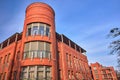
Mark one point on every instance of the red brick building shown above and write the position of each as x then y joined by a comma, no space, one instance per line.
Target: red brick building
100,72
39,53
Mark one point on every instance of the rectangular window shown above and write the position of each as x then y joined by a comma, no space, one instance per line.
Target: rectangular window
41,30
26,48
8,57
41,46
34,46
47,31
35,30
40,75
24,73
47,46
29,31
5,58
15,75
31,75
48,76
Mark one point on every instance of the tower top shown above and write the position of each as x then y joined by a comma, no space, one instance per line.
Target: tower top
40,4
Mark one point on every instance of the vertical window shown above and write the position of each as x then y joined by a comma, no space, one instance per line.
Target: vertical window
48,75
8,57
67,59
41,29
24,73
69,77
31,72
47,31
29,31
5,58
15,75
26,50
47,49
35,30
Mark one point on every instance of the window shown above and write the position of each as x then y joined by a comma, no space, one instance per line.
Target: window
69,77
4,76
31,72
47,31
5,58
41,72
38,29
24,73
35,30
8,57
15,74
37,50
40,75
29,31
41,30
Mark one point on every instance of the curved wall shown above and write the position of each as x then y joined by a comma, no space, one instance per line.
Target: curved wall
40,13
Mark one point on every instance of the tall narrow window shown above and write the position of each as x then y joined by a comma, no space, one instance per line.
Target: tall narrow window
41,29
5,58
47,54
15,75
26,50
31,73
35,30
24,73
29,31
47,31
8,57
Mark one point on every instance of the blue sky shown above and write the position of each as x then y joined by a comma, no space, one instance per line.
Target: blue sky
86,22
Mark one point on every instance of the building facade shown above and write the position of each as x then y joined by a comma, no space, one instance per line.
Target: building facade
100,72
40,53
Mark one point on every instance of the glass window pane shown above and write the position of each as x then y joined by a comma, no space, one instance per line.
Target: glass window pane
29,31
41,46
47,46
41,30
24,75
34,46
48,75
8,59
31,68
35,30
40,68
26,48
47,31
40,75
31,74
24,69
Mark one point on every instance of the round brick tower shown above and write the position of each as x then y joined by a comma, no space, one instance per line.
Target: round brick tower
38,59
